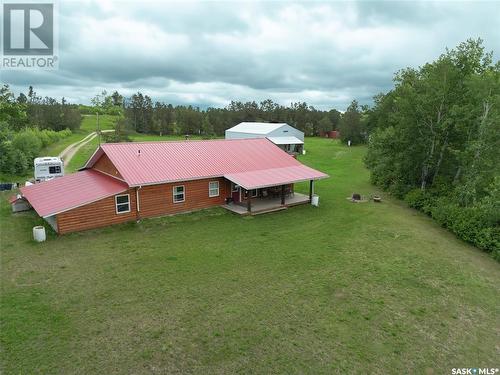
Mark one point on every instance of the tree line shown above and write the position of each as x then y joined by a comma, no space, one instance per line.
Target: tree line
29,123
435,141
144,116
40,120
42,112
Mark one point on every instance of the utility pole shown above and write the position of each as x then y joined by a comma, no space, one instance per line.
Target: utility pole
98,129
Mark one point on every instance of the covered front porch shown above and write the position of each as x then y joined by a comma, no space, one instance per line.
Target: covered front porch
265,199
263,205
267,190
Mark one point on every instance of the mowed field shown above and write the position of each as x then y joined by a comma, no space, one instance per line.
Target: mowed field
340,288
89,125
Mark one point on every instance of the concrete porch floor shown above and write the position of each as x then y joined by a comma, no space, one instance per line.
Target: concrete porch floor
263,205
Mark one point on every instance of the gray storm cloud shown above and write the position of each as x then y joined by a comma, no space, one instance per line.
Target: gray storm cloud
209,53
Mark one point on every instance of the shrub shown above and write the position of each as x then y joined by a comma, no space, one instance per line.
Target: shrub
13,161
441,212
52,136
496,255
472,224
419,199
489,239
28,142
114,110
476,224
65,133
114,137
44,138
18,154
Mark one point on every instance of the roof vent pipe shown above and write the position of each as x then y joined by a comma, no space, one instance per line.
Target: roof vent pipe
138,152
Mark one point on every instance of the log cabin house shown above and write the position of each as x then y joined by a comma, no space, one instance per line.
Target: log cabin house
130,181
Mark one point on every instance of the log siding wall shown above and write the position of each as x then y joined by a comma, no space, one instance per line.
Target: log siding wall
154,200
95,215
158,200
105,165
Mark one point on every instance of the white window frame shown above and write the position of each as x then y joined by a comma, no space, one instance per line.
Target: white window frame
234,187
55,167
255,192
183,193
210,195
121,204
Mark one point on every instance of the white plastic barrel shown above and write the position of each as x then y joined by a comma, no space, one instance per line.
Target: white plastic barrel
39,233
315,200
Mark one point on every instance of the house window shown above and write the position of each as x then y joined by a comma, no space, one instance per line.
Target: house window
179,194
55,169
213,189
253,193
234,187
122,203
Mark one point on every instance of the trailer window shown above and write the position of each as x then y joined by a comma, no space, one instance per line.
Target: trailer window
213,189
122,203
179,194
55,169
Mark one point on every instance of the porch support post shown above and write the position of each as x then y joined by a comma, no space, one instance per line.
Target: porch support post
282,195
249,201
311,189
137,205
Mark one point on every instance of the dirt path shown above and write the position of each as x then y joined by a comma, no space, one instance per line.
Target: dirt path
67,154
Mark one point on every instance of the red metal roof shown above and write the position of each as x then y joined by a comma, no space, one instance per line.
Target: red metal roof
71,191
251,163
13,198
274,177
144,163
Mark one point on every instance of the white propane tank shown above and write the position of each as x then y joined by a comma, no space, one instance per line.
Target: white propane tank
315,200
39,233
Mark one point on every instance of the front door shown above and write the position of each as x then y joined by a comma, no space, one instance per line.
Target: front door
235,192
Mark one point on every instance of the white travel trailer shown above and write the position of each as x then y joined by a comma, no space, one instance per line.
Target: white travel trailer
47,168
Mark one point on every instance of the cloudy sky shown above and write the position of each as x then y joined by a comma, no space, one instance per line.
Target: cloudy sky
208,53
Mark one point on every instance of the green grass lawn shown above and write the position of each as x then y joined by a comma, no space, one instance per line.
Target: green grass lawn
89,122
83,154
88,126
56,148
342,288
